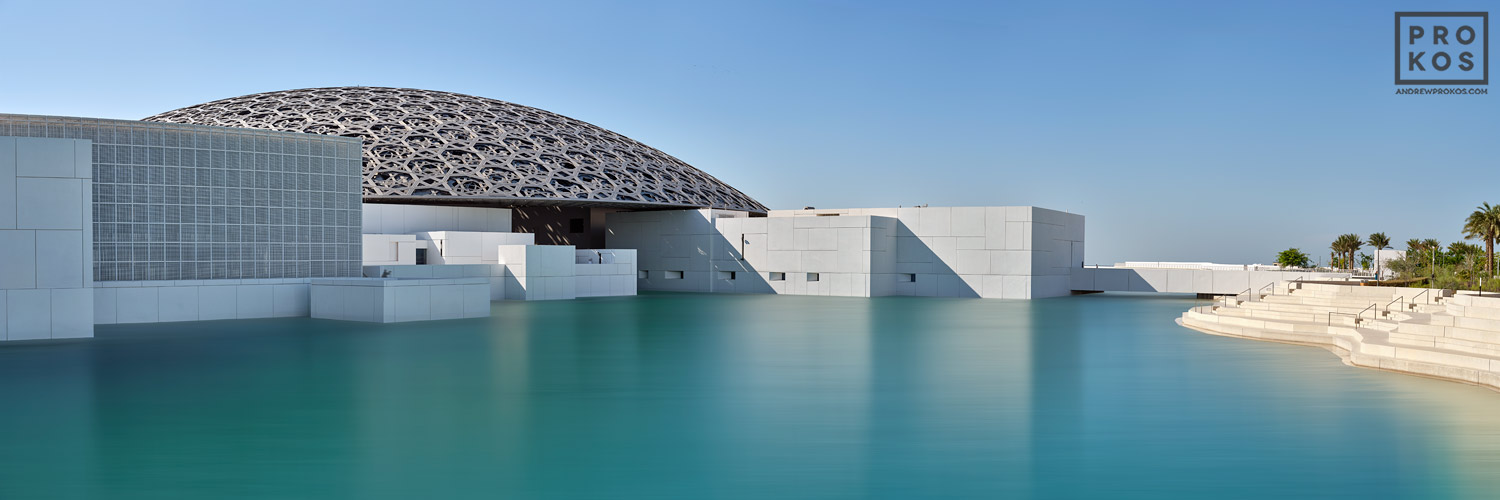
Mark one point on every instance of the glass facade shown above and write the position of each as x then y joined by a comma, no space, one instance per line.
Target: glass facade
192,202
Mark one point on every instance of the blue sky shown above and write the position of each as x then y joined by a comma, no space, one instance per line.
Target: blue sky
1181,130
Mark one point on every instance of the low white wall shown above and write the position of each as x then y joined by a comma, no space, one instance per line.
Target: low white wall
494,273
390,249
168,301
601,273
378,300
1107,279
387,218
470,247
539,272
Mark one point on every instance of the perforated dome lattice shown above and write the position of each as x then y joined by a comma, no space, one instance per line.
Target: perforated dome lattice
425,144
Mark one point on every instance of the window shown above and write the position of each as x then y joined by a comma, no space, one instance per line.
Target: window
642,274
812,276
906,278
726,275
778,276
674,275
575,225
421,256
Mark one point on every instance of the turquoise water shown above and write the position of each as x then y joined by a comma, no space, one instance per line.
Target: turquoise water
723,396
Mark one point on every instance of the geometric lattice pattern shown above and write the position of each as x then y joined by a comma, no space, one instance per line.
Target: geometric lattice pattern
184,202
423,143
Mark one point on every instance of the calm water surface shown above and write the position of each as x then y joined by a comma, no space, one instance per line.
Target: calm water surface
723,396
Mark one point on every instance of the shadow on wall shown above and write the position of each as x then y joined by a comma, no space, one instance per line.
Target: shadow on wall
582,227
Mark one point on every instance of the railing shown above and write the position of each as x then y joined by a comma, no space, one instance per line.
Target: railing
1356,315
1399,298
1424,292
1236,296
1271,285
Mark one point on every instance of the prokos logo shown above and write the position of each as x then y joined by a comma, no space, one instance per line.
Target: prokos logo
1442,48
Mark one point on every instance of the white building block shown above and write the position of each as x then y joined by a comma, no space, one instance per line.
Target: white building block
57,259
217,302
28,314
253,301
18,253
177,303
49,203
137,305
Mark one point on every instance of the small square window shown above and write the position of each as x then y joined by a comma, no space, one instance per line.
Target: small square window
778,276
906,278
726,275
812,277
642,274
674,275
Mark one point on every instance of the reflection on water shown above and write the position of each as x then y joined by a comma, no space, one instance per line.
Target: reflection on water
698,396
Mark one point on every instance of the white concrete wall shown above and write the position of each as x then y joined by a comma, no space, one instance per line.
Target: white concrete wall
1220,282
392,300
390,249
117,302
46,238
992,252
494,273
470,247
386,218
539,272
601,273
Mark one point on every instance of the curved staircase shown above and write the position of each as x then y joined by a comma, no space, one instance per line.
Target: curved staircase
1432,333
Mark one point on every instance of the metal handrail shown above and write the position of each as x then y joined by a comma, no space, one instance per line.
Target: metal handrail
1399,298
1424,292
1271,285
1356,315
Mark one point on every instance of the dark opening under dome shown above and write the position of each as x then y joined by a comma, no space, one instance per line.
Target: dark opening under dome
430,146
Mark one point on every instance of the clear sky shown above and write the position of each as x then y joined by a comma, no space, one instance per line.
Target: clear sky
1181,130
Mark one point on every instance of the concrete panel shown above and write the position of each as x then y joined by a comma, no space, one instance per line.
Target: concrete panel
968,221
1083,279
18,253
57,260
253,301
177,303
1010,262
1148,280
935,221
1018,214
217,302
28,314
137,305
1016,287
43,157
104,306
1180,281
290,301
49,203
1227,282
7,183
447,302
413,303
1112,280
973,262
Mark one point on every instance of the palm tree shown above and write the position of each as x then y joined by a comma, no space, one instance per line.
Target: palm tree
1414,246
1380,242
1346,245
1484,224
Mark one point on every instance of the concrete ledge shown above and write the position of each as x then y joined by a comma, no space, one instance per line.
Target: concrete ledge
389,300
